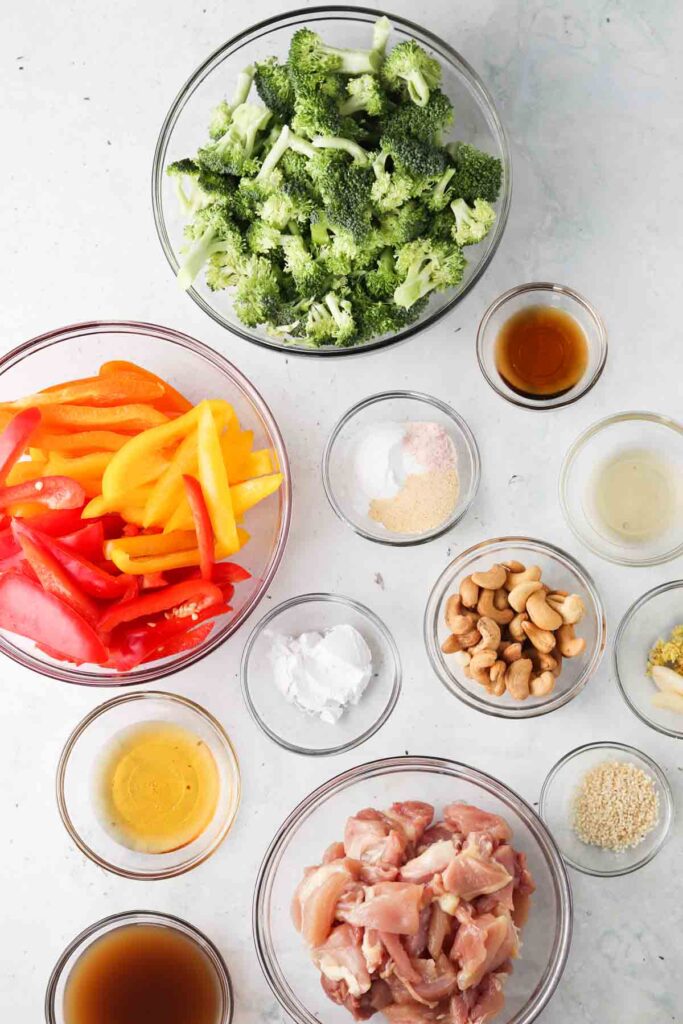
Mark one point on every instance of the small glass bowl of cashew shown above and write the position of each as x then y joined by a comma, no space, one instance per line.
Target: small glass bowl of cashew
514,627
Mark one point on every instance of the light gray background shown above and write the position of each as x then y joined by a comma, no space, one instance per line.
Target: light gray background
591,95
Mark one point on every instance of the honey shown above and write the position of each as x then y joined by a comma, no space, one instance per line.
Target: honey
541,352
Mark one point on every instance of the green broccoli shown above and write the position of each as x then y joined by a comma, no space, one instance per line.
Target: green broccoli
345,190
330,322
376,317
232,153
257,295
382,281
427,122
409,221
471,225
415,156
437,196
391,187
275,88
380,35
408,64
310,276
222,114
310,59
315,113
287,139
262,238
365,94
425,265
340,143
477,175
210,233
185,174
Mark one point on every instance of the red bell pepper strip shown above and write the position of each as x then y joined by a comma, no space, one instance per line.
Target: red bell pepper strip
202,526
130,645
93,580
26,609
187,600
54,491
14,439
153,580
58,521
223,572
88,541
55,580
185,642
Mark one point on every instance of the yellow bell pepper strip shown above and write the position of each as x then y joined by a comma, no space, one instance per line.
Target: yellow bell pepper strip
236,446
257,463
214,483
27,470
100,505
126,469
127,418
172,398
82,467
120,389
168,490
165,562
243,496
81,443
152,544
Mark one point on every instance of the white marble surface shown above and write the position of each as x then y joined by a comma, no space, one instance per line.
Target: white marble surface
591,94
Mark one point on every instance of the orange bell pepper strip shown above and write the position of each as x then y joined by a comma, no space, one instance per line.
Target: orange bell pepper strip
127,468
214,482
126,418
81,443
120,389
258,463
171,398
236,446
152,543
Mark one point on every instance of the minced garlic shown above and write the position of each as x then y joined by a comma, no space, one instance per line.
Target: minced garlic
615,806
668,653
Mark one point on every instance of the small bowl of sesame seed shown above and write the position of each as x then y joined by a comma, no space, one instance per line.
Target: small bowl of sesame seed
609,807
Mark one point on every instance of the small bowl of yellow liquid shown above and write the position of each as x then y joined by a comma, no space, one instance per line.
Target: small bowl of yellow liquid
621,488
148,785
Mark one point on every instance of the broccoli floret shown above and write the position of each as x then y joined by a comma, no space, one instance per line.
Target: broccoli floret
310,276
436,197
210,233
426,265
262,238
257,296
330,322
471,225
345,189
283,206
377,317
382,281
391,186
477,175
185,174
404,224
343,144
287,139
427,123
222,114
365,94
315,113
410,66
310,59
417,157
232,153
275,88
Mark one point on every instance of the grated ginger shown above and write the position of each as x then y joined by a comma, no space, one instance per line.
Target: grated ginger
668,653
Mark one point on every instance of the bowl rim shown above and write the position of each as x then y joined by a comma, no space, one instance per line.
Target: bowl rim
454,686
665,788
80,676
378,625
153,917
170,871
470,444
622,628
540,404
633,416
432,765
310,14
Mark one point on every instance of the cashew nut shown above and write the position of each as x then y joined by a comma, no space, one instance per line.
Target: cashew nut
514,566
569,644
462,658
528,575
491,580
451,644
520,594
453,609
460,624
556,654
487,608
542,639
490,635
517,677
470,639
500,598
479,666
541,686
540,612
513,652
469,592
571,608
542,662
515,627
497,672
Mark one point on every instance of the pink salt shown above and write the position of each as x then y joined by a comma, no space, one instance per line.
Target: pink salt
431,445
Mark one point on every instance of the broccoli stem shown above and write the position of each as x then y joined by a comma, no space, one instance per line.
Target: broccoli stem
417,284
337,142
195,259
285,140
332,304
356,62
243,87
320,234
442,185
380,35
352,106
418,90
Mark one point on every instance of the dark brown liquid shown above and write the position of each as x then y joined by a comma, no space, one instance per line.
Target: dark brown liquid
142,974
541,352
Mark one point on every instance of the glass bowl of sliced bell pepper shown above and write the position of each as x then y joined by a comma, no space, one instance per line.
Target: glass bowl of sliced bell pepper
144,505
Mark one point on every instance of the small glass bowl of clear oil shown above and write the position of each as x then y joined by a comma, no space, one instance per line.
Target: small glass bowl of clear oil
621,488
541,345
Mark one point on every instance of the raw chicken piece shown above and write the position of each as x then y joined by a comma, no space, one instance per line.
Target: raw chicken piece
373,950
315,899
465,818
434,858
474,872
409,1013
478,1005
372,837
439,830
526,883
503,899
350,897
437,980
340,958
371,874
440,926
390,907
361,1008
412,816
400,961
335,851
482,944
417,943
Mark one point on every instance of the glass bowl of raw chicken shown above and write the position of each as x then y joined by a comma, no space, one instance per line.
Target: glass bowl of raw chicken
417,889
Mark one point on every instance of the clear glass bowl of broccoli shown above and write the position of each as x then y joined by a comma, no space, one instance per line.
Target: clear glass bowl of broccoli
330,182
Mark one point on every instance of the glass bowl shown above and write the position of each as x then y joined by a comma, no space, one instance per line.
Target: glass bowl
199,372
555,807
650,618
639,431
319,819
184,129
79,802
556,296
560,571
290,726
54,996
395,407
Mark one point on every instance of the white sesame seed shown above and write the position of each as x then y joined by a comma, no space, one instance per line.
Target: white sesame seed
616,805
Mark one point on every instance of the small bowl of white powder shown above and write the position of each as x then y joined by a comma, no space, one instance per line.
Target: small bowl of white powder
401,468
320,674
